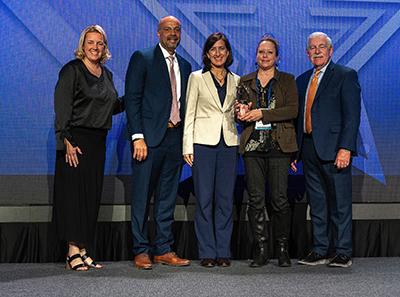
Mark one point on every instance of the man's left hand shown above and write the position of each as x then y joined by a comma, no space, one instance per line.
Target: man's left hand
342,159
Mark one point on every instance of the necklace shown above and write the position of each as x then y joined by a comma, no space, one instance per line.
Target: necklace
96,73
223,76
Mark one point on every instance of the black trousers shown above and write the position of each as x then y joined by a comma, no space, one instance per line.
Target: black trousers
258,172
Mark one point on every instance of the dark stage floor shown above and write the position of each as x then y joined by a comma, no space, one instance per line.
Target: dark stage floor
366,277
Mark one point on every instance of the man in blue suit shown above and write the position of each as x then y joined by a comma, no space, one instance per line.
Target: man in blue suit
155,89
329,117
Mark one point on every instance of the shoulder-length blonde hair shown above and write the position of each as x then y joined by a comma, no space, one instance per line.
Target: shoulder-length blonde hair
80,53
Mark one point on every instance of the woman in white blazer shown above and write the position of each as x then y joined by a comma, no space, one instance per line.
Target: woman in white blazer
210,147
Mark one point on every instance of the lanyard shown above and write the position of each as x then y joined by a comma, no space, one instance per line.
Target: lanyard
269,93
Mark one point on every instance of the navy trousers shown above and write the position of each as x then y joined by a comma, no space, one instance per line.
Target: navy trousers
329,196
214,175
159,173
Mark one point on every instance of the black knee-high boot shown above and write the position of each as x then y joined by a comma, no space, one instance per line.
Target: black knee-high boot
281,228
259,231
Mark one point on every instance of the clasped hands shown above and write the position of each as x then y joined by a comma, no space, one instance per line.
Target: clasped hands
245,114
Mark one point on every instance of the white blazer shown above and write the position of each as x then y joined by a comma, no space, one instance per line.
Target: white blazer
205,117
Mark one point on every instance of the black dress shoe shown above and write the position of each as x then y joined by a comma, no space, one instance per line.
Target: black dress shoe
207,262
223,262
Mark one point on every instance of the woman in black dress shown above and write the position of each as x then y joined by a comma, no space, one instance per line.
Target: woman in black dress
85,100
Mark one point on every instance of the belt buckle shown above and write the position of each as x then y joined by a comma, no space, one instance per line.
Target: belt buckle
171,125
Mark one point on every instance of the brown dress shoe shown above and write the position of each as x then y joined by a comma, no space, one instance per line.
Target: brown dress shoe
207,262
171,259
142,261
223,262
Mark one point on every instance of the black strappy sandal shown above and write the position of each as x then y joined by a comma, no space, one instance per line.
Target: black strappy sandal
92,265
72,258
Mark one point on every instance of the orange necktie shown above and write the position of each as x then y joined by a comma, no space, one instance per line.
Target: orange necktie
310,99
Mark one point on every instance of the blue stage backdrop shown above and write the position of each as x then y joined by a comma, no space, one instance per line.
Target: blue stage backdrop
39,37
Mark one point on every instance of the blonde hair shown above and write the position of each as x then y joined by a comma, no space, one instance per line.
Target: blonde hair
80,53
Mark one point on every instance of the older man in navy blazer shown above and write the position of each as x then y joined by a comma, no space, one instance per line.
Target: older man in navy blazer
155,89
327,140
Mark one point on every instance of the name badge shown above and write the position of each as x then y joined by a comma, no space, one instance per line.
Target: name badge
260,125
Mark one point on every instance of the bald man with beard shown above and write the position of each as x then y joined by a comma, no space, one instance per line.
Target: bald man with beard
155,89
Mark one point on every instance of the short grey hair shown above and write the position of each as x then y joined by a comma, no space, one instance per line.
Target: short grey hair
316,34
